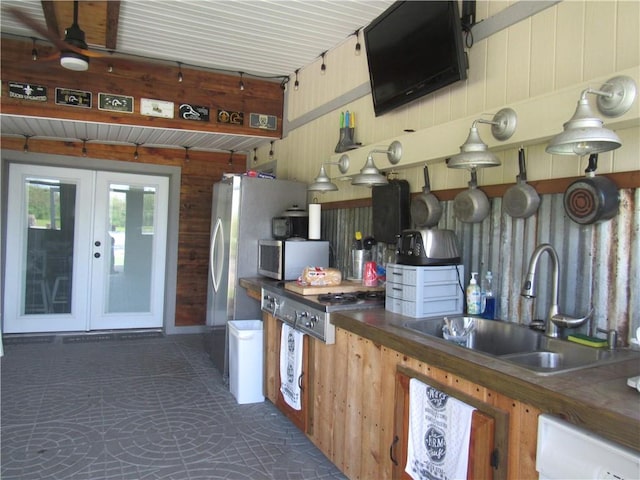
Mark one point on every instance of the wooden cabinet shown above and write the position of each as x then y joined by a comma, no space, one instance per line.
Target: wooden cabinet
355,409
272,337
489,431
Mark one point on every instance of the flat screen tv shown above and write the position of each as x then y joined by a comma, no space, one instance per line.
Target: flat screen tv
414,48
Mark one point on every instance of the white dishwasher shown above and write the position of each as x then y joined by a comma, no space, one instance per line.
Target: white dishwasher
568,452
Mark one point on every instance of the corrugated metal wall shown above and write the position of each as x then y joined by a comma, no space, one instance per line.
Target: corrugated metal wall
599,264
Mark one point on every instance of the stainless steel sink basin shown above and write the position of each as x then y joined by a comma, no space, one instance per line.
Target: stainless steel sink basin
522,346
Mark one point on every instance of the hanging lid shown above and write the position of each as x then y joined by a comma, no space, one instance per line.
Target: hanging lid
295,211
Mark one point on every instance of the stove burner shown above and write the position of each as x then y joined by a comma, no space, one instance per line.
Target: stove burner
337,298
371,295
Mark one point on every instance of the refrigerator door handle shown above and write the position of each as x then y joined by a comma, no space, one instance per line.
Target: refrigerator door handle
216,254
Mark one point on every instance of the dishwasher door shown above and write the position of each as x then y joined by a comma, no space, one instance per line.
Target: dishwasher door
568,452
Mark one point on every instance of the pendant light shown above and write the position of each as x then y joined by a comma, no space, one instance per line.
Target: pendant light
369,175
322,182
474,153
584,133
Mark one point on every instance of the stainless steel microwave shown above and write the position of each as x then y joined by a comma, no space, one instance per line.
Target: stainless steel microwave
286,259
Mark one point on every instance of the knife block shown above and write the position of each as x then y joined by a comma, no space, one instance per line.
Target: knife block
345,141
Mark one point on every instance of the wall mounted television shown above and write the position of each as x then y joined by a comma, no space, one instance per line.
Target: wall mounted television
414,48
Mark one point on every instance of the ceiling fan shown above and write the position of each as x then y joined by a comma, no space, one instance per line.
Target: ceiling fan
74,52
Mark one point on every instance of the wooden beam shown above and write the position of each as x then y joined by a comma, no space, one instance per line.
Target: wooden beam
113,18
50,17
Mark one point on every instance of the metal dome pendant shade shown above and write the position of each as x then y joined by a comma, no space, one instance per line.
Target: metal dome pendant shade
474,153
322,183
584,133
369,175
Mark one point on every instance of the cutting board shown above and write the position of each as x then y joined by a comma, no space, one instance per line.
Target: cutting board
345,287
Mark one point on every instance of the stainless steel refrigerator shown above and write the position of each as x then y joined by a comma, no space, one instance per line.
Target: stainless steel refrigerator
242,210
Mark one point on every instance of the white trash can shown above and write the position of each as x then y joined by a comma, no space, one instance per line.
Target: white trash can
245,360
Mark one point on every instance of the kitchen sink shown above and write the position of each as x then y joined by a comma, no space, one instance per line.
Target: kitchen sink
522,346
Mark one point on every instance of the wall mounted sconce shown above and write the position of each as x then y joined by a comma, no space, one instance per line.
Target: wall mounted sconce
584,133
474,153
369,175
322,182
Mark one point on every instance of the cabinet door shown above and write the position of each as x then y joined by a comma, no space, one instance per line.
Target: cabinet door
482,451
300,418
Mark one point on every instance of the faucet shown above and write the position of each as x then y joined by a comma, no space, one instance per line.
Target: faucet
554,318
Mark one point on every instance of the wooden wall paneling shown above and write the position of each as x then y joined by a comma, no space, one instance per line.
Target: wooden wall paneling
197,178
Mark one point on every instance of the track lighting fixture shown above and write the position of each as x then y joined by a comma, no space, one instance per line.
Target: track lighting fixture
186,153
34,50
25,147
369,175
230,157
322,183
255,155
84,147
323,67
584,133
136,155
474,153
180,76
296,84
358,46
241,83
271,151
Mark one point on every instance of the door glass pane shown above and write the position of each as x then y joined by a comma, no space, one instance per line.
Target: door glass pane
48,266
131,234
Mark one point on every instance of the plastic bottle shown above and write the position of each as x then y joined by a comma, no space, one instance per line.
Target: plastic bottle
488,296
474,296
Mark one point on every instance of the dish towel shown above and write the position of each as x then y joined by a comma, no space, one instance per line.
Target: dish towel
291,365
439,434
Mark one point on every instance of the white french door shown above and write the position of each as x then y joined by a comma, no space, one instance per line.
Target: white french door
85,250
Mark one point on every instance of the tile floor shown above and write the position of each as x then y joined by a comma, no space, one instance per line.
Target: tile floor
139,408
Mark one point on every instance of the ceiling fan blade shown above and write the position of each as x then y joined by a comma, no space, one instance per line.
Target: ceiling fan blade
51,36
36,27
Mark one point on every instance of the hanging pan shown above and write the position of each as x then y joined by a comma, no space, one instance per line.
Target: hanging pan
425,208
471,205
591,199
521,200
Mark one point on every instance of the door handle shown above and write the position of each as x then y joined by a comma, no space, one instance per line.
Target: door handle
216,254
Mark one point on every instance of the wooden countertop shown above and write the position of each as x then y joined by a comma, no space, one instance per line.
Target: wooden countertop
596,398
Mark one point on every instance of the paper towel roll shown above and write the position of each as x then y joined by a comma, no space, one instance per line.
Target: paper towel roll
314,221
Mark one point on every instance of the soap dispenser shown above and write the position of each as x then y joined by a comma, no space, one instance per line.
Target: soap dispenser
474,297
